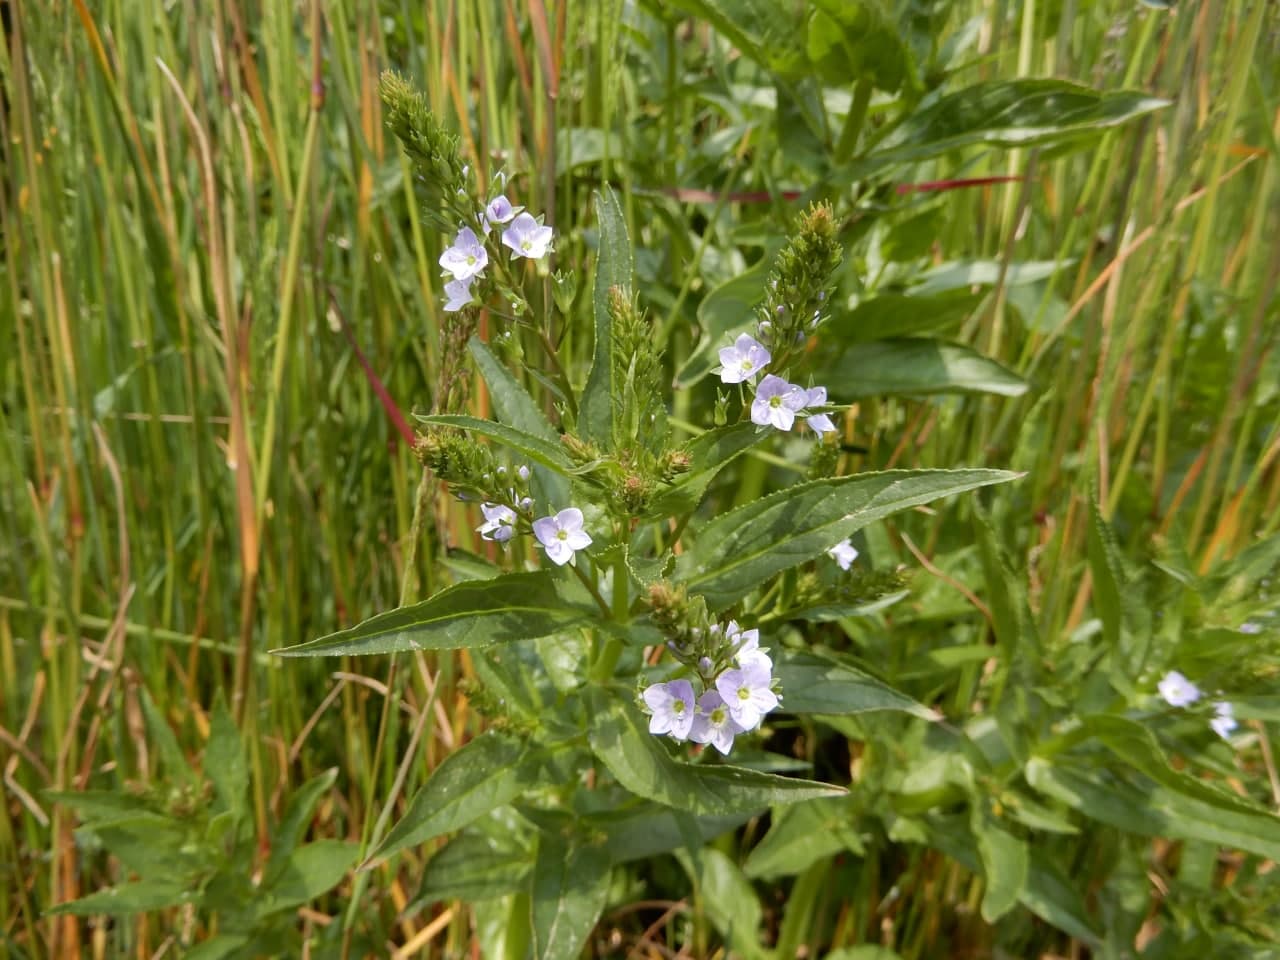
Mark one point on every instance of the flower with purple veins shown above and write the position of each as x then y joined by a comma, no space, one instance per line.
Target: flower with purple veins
747,694
673,708
459,294
562,534
499,210
527,238
776,403
499,522
466,258
1224,719
1177,690
713,724
743,360
843,553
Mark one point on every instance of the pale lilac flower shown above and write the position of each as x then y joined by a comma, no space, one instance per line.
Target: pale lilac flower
776,403
466,258
1224,719
673,708
1251,627
562,534
1177,690
459,294
712,724
527,238
747,646
747,695
522,472
743,360
499,522
843,553
820,422
499,210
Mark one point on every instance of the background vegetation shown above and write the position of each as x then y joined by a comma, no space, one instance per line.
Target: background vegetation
220,300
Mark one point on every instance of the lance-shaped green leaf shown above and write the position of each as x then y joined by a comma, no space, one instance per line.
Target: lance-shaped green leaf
1005,861
308,872
804,833
138,897
619,737
569,890
474,867
812,683
901,315
488,772
739,550
613,269
474,613
916,365
546,452
1010,113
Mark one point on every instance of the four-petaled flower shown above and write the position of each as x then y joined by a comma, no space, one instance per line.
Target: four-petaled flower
499,522
527,238
777,402
466,258
820,422
746,693
843,553
743,360
459,294
1177,690
673,708
562,534
713,724
1224,719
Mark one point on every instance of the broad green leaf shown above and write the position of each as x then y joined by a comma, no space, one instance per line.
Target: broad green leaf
152,844
569,890
725,312
138,897
473,867
728,898
709,453
474,613
916,365
1005,862
613,269
961,275
648,829
901,315
851,40
739,550
1011,113
295,820
804,833
100,806
308,872
549,453
487,773
620,738
814,683
224,762
1134,803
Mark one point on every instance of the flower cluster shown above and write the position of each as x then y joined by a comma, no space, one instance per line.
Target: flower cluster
777,403
1177,691
467,258
737,690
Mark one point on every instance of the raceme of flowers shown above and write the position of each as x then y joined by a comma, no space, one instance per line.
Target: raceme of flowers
521,234
734,698
1177,691
777,403
561,534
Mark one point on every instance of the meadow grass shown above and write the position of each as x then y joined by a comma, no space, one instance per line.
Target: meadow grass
211,257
